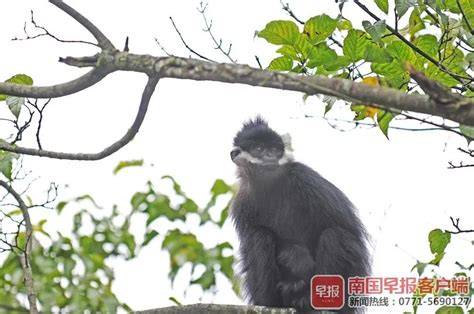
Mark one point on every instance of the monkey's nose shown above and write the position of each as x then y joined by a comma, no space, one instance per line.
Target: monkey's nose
235,152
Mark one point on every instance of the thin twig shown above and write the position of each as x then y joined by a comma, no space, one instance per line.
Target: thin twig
40,119
456,226
441,126
186,44
49,34
162,48
129,135
102,40
286,7
258,62
202,10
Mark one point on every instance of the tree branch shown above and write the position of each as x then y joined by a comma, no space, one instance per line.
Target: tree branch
184,68
102,40
456,108
25,257
59,90
129,135
458,229
218,308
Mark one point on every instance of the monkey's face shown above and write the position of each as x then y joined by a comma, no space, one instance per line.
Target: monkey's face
258,147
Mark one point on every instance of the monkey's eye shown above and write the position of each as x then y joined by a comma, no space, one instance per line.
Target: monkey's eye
259,149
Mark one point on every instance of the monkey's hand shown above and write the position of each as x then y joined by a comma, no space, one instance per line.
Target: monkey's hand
297,259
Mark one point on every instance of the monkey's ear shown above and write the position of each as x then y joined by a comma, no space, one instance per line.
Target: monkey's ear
286,138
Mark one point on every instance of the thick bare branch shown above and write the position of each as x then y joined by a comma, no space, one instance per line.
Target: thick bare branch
25,260
59,90
146,95
183,68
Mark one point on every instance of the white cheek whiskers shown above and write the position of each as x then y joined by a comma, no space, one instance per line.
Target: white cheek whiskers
253,160
286,158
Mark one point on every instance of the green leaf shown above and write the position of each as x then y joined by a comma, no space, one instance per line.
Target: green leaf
402,6
176,187
439,240
282,63
437,259
355,44
344,25
401,51
87,197
6,163
280,32
434,72
429,44
383,121
223,217
415,23
340,63
376,30
394,72
321,55
207,280
319,28
420,267
448,309
363,111
220,187
22,79
128,163
468,131
161,207
374,53
289,51
383,5
15,103
183,248
61,206
302,46
189,206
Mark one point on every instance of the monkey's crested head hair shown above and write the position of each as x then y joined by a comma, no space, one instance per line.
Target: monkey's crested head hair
257,144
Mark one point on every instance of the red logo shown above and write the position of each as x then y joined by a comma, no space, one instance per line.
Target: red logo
327,292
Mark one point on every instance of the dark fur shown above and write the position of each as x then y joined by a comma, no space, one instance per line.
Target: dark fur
292,224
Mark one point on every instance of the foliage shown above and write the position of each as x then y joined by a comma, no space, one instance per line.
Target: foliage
183,246
72,273
15,103
439,241
331,46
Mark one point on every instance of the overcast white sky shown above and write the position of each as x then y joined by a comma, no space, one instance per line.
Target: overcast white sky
401,186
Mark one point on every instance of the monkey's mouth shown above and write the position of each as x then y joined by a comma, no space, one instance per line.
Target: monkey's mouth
243,158
234,153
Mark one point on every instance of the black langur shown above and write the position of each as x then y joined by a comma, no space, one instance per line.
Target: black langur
292,223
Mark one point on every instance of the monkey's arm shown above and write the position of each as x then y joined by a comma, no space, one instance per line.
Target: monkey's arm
296,258
262,273
340,252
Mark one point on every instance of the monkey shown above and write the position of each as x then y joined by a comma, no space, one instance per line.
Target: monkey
291,223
